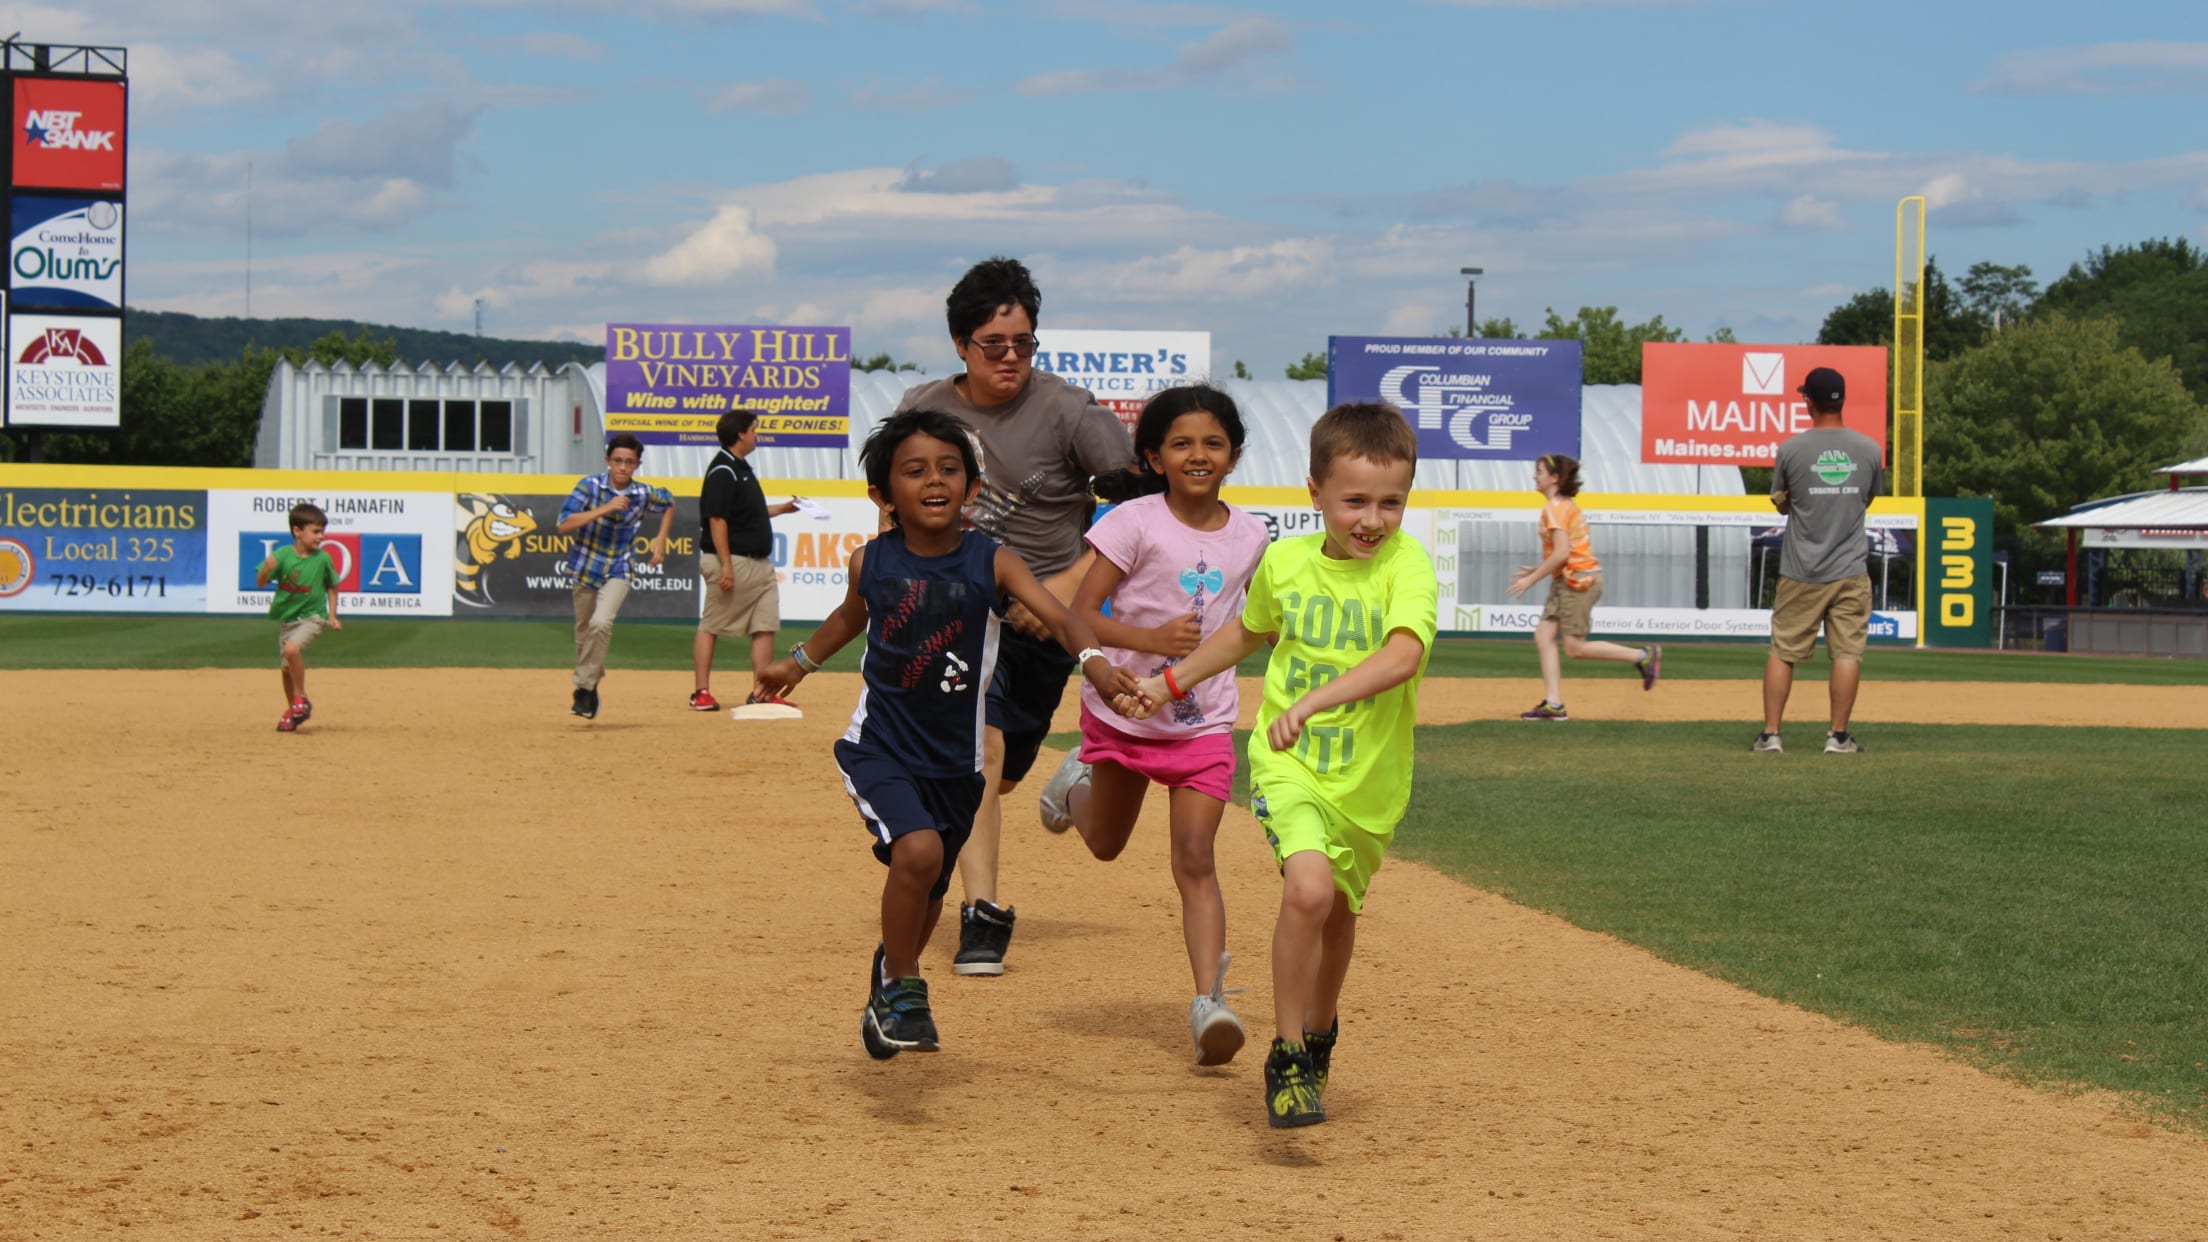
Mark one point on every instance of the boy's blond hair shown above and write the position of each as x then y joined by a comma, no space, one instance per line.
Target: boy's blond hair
1368,429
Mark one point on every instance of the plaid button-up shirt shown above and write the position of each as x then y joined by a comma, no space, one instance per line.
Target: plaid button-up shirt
603,546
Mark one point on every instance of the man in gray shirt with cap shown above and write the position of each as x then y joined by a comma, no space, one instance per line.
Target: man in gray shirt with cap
1823,482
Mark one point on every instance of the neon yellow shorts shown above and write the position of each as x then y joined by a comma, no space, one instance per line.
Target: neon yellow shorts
1296,819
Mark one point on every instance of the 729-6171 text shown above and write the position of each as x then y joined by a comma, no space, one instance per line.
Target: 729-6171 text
114,586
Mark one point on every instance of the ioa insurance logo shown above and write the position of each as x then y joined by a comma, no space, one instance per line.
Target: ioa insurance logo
368,562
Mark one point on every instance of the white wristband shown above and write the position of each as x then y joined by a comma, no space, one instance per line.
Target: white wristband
1086,652
804,661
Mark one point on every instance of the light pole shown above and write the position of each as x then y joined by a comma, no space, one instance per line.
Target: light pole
1471,285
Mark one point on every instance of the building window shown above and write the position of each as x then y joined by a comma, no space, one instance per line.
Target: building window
388,430
352,422
421,426
498,427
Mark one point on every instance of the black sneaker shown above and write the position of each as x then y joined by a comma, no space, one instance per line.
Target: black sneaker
581,706
1320,1044
876,1046
897,1018
1291,1089
590,705
984,932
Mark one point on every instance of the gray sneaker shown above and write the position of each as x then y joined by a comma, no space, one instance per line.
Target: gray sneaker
1842,744
1767,743
1057,799
1214,1026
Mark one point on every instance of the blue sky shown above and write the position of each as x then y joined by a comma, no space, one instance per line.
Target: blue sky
1269,173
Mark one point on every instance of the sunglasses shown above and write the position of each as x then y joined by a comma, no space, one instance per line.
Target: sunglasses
995,347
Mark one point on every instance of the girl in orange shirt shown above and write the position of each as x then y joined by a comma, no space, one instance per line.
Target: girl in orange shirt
1575,584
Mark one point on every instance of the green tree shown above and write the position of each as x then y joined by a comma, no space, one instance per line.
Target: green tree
2052,412
172,415
1503,329
2158,289
334,347
1950,325
1241,371
1723,336
882,362
1610,348
1312,367
1999,295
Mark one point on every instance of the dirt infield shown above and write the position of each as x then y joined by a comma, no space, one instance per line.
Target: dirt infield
452,964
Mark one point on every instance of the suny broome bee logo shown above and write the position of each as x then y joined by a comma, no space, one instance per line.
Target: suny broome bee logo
486,527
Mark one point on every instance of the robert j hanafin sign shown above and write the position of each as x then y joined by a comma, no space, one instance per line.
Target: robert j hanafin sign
669,383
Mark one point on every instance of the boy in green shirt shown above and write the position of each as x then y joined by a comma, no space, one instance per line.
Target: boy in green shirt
1352,613
305,582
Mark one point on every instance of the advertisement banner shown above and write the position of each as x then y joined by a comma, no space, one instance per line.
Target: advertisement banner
508,559
1520,617
393,549
71,134
65,371
82,549
1470,399
1124,369
669,383
67,252
1958,576
1733,405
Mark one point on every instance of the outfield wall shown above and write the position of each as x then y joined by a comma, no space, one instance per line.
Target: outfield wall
424,544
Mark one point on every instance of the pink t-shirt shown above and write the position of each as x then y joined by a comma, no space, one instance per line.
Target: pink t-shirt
1171,571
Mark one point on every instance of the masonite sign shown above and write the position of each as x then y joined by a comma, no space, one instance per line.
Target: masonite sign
1477,400
100,549
1958,577
1123,370
670,383
69,133
1733,405
392,549
67,252
509,559
65,371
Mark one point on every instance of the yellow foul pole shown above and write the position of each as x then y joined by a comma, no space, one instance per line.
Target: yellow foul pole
1906,447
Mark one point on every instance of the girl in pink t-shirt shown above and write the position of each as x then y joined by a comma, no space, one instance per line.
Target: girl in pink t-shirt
1174,562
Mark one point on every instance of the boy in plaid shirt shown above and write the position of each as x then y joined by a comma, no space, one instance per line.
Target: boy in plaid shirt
604,513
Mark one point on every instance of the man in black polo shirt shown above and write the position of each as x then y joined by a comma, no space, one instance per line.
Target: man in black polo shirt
735,550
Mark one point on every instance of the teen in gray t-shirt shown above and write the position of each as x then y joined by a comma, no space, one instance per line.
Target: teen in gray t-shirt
1829,475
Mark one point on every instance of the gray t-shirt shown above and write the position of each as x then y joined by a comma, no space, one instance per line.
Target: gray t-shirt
1829,475
1038,453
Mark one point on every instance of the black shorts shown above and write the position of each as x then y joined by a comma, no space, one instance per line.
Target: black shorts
894,802
1024,694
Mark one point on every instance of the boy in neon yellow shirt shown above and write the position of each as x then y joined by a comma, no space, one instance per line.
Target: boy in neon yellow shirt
1352,613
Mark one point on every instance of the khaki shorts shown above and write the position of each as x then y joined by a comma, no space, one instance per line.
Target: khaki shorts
1843,607
1573,611
752,606
298,633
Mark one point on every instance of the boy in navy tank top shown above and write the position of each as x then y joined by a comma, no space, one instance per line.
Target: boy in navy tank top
925,593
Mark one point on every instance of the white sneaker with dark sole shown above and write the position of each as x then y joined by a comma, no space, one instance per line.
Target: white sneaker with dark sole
1214,1026
1842,744
1767,744
1056,804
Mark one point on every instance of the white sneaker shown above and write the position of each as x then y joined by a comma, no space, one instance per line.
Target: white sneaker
1056,803
1213,1025
1767,744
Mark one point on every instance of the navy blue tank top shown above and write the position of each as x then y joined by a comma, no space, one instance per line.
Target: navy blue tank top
931,645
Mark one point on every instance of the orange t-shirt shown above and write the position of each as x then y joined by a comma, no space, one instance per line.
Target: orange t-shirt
1580,567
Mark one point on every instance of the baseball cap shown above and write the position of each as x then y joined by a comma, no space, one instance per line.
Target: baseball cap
1824,386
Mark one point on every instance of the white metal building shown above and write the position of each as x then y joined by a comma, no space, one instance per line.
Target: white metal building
450,418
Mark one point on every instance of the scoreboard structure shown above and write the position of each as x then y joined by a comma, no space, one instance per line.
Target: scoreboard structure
66,167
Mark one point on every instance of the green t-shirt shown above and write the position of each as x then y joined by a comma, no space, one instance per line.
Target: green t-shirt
302,584
1331,614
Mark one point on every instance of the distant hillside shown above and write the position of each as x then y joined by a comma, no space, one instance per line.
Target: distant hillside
190,339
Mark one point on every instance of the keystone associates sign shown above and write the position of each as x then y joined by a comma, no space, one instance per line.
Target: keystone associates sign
1733,405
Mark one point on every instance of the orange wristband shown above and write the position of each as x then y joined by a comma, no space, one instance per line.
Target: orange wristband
1173,687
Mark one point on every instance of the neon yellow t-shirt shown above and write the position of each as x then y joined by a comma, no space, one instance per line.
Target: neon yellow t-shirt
1331,614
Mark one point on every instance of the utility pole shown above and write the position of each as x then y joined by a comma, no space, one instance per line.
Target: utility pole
1471,312
479,319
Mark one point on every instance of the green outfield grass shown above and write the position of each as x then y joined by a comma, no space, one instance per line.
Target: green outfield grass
82,641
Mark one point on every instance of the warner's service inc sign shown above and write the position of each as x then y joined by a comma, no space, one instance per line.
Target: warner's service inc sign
1470,399
1733,405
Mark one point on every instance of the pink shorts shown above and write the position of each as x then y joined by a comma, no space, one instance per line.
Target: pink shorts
1204,763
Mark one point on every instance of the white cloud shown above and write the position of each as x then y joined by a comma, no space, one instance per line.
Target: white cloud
2101,69
1828,292
1221,57
726,246
911,10
780,96
561,45
1191,273
978,175
1810,212
1415,320
925,94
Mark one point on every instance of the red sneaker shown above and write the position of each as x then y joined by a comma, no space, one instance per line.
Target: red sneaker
703,701
287,723
301,709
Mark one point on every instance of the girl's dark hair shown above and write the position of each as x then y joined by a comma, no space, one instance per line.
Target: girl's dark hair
1157,420
880,450
988,287
1565,470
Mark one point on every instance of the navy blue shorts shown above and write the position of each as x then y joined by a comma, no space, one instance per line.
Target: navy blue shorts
1024,693
894,802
